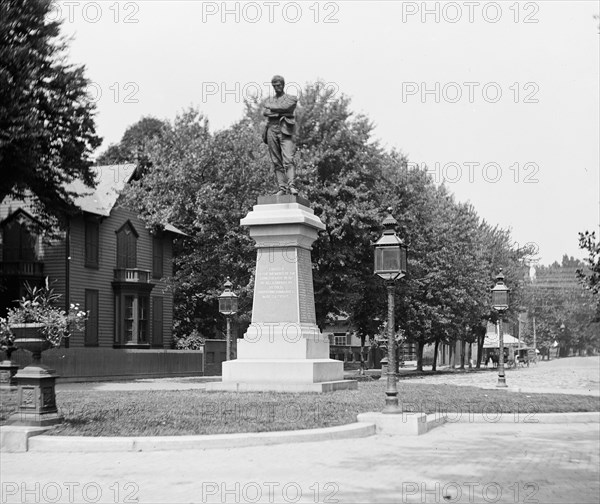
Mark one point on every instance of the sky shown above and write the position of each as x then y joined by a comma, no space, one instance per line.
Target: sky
498,100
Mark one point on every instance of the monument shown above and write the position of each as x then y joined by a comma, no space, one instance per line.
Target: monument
283,349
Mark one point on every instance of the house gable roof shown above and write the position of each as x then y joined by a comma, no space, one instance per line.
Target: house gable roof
111,179
20,216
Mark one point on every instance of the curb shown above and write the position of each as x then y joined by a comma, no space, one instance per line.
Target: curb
528,390
85,444
417,424
518,417
22,439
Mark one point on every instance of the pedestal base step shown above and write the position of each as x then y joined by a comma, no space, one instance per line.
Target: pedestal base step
319,387
35,419
282,371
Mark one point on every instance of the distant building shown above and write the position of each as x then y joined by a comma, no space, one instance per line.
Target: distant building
345,343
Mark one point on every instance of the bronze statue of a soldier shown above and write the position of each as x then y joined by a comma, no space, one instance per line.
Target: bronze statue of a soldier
279,135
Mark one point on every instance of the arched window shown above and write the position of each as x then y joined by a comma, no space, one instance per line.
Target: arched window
19,243
127,246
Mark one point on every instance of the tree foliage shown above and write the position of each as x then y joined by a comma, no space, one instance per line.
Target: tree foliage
589,275
561,309
135,143
47,130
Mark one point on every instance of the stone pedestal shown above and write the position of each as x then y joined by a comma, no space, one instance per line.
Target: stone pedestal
283,349
36,397
8,370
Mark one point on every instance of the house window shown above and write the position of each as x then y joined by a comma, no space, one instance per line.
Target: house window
92,241
127,246
142,321
157,321
339,339
91,324
18,242
132,327
157,257
129,318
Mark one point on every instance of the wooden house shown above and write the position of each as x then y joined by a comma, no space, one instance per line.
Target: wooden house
108,262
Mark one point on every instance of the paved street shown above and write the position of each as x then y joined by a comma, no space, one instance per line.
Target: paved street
573,375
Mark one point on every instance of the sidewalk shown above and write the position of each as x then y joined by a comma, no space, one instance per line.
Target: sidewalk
504,463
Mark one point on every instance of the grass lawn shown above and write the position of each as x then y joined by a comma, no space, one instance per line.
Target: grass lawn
185,412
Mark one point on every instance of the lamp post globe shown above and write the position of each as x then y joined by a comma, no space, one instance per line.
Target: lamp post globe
390,264
228,306
500,300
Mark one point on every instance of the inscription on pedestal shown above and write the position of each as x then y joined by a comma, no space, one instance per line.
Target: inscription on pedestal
277,284
276,289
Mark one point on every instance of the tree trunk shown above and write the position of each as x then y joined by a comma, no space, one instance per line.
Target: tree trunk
451,354
470,355
480,341
362,356
463,344
435,353
420,356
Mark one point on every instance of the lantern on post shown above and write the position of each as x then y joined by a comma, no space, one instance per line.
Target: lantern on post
390,252
500,298
228,306
390,264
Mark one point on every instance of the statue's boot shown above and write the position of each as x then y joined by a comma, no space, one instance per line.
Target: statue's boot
291,176
281,182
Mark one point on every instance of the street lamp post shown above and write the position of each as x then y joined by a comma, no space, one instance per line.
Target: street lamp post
390,264
228,306
500,304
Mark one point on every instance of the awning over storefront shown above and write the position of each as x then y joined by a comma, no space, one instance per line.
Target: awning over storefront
491,341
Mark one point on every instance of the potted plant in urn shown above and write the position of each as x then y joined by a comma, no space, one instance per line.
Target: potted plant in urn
38,324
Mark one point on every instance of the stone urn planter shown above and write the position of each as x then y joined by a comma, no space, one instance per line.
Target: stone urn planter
38,323
30,337
36,382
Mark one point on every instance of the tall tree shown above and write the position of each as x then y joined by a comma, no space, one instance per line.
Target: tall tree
135,143
47,130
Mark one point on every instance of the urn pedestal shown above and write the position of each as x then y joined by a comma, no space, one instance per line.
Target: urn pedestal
283,349
8,370
36,395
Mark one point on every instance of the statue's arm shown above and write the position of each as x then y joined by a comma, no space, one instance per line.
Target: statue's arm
286,106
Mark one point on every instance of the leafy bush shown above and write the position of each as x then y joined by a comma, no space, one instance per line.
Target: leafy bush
193,341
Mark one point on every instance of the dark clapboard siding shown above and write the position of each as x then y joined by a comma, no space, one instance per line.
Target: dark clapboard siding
82,277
